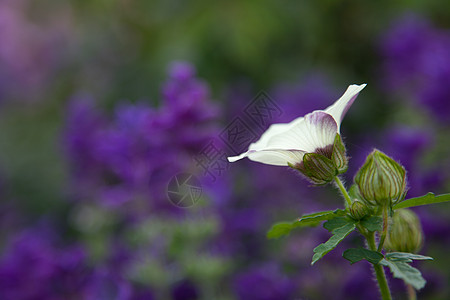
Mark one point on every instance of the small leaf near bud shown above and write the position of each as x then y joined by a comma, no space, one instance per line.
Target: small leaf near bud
381,180
338,156
358,210
406,233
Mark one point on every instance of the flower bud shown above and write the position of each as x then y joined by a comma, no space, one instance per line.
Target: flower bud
358,210
323,165
381,180
406,233
317,168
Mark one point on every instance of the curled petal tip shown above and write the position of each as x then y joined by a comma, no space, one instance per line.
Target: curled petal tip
236,158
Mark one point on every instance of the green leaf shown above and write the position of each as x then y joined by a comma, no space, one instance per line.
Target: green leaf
429,198
372,223
337,222
284,228
279,230
339,233
408,257
401,269
356,254
316,218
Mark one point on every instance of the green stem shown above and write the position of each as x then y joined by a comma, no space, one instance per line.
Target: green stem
379,271
343,191
411,292
385,229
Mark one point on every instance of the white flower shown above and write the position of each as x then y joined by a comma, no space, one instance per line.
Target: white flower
286,144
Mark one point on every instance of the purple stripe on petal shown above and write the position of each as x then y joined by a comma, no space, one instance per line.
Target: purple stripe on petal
326,151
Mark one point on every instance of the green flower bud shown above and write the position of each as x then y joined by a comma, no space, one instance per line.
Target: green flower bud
358,210
317,168
381,180
323,165
406,233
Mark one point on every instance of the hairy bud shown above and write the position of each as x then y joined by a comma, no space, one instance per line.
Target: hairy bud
381,180
358,210
317,168
406,233
323,165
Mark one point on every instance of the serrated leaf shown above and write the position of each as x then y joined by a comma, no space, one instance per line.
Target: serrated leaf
316,218
429,198
339,233
356,254
406,256
337,222
372,223
284,228
402,270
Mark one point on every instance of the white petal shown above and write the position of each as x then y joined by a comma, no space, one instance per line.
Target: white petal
342,105
272,157
273,130
316,130
284,143
277,157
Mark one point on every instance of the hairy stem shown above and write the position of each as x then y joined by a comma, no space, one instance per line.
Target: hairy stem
385,228
379,271
343,190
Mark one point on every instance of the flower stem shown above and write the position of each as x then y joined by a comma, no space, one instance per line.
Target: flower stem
385,228
379,271
411,292
343,190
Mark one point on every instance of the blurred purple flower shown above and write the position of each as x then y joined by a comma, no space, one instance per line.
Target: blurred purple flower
33,268
106,284
130,158
265,282
416,61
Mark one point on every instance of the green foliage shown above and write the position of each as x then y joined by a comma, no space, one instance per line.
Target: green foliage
429,198
408,257
340,228
398,263
337,223
372,223
402,270
356,254
311,220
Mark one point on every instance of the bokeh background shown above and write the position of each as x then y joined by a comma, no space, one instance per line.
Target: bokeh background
102,103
